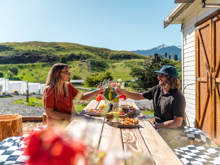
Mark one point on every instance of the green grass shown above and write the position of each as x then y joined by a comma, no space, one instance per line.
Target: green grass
148,112
33,101
37,101
79,107
38,72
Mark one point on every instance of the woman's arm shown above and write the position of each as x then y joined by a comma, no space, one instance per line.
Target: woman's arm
57,115
175,123
88,95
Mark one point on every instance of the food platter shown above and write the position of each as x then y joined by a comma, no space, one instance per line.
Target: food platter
111,115
124,123
95,112
127,111
119,125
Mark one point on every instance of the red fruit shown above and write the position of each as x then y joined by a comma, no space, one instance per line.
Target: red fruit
123,97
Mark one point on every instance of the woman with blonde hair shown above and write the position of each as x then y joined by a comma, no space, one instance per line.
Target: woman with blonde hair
59,93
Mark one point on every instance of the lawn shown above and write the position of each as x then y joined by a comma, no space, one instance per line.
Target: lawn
37,101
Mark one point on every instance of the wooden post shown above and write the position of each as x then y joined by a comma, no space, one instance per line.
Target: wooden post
10,125
27,92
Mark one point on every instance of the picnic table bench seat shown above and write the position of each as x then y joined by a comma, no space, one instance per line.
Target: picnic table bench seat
197,135
199,155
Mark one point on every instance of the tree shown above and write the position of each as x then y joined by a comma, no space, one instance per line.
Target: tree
1,74
175,57
98,66
156,58
14,70
165,54
63,60
146,77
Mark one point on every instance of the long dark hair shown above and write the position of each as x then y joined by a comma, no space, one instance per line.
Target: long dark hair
54,78
172,83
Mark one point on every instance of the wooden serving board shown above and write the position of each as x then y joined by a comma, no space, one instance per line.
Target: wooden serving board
95,114
120,125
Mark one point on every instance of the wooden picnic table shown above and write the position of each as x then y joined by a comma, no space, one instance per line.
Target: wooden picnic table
144,139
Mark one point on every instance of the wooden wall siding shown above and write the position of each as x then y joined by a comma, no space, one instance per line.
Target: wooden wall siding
188,46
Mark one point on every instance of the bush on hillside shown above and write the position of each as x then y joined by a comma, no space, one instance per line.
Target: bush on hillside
123,55
14,70
76,77
96,78
99,66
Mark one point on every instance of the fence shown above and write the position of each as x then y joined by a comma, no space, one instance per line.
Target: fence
8,86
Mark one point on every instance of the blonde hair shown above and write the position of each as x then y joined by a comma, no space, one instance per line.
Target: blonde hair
54,78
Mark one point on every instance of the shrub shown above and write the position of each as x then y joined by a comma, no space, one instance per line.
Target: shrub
96,78
14,70
99,65
76,77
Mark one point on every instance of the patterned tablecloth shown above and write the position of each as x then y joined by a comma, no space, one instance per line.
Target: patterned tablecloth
199,155
11,151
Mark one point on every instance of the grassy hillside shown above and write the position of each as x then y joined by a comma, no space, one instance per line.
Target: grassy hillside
31,52
32,60
38,72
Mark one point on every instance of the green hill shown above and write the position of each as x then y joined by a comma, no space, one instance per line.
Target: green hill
32,52
31,61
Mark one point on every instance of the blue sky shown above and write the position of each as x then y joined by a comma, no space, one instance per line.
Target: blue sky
113,24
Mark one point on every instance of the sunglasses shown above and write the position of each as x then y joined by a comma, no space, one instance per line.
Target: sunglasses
163,75
65,72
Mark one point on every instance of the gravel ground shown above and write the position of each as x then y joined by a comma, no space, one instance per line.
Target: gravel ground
7,106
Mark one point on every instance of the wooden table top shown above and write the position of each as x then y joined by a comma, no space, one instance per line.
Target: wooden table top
144,139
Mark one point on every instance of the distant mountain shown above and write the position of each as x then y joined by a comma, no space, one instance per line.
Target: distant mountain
161,50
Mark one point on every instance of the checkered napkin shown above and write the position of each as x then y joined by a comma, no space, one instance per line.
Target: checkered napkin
199,155
11,151
197,135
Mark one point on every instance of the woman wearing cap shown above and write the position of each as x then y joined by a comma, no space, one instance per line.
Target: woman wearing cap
59,93
168,101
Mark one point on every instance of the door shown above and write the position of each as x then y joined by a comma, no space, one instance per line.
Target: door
216,76
207,37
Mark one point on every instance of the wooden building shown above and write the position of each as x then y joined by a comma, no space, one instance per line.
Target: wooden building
200,27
